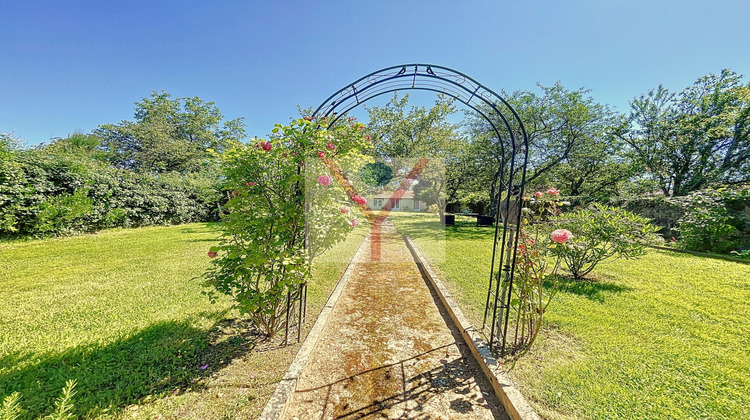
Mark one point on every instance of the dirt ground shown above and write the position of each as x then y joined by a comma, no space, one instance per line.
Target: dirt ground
388,352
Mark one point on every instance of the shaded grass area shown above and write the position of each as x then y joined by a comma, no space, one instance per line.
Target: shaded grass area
121,312
665,336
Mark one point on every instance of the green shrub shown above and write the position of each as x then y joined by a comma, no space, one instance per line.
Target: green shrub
601,232
45,192
716,220
63,213
10,409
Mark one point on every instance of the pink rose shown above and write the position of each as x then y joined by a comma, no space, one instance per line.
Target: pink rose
538,194
351,119
212,254
324,180
344,209
359,199
308,118
330,146
321,154
561,236
266,145
673,239
250,184
353,222
553,191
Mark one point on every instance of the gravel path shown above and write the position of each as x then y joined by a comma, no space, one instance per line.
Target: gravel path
388,352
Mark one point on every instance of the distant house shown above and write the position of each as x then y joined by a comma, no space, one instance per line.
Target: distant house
407,202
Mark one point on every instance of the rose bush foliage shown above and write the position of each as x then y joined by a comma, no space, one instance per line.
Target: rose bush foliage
601,232
536,266
285,209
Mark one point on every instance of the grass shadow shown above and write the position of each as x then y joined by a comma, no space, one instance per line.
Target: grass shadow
595,290
163,358
431,229
205,227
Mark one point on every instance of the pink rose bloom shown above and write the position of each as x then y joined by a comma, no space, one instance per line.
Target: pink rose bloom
308,118
324,180
330,146
344,209
561,236
553,191
351,119
353,222
212,254
359,199
538,194
321,154
266,145
250,184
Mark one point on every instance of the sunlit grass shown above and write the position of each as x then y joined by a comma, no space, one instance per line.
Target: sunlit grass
666,336
122,313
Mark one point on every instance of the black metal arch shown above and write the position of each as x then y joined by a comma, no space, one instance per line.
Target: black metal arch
512,172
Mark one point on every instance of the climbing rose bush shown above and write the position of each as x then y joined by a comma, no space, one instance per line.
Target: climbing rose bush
274,209
535,267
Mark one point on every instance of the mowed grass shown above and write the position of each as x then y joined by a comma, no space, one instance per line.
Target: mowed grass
663,337
121,312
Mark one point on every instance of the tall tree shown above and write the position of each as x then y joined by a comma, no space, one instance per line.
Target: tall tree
698,137
569,145
399,130
169,134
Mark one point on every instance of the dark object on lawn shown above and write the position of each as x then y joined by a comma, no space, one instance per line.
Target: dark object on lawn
449,219
482,219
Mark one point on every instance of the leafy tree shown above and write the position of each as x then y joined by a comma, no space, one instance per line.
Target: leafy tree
400,131
569,143
169,135
79,144
413,132
693,139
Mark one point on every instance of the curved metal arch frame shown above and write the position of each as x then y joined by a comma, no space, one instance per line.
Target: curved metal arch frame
483,101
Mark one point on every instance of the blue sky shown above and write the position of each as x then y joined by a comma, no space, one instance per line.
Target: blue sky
67,66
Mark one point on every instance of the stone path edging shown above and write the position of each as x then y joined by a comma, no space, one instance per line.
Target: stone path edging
276,405
514,402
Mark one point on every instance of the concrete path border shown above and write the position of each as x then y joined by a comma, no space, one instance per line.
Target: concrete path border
276,405
514,402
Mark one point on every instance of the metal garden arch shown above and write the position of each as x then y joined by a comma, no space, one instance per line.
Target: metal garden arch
512,138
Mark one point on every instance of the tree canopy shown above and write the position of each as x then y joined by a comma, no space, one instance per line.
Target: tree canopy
698,137
169,135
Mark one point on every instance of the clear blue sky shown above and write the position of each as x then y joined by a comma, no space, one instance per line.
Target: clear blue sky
67,66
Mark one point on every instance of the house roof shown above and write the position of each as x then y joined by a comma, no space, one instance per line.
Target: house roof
387,195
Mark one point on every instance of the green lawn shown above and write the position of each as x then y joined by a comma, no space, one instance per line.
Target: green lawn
666,336
122,314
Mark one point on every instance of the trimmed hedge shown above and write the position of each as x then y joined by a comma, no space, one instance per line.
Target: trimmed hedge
43,194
